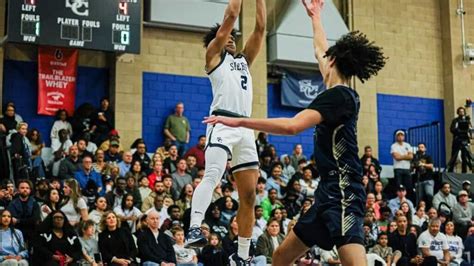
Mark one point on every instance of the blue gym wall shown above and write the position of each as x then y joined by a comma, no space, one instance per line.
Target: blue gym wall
285,144
161,92
402,112
20,85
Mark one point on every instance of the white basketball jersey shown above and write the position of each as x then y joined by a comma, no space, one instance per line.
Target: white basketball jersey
232,85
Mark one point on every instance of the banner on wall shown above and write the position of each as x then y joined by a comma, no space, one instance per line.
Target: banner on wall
299,89
57,72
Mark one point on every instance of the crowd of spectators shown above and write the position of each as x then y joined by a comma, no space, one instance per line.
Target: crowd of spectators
100,202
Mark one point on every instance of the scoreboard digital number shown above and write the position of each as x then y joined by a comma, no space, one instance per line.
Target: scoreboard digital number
106,25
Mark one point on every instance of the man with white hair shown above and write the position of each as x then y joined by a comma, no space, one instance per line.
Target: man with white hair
126,163
434,244
155,248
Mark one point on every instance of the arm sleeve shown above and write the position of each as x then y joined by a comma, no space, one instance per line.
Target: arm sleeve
332,105
167,123
147,253
423,242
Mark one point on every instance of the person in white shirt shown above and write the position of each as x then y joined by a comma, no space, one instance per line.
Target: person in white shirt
402,154
455,244
434,244
60,123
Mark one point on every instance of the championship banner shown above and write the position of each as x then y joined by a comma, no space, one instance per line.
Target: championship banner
57,72
299,89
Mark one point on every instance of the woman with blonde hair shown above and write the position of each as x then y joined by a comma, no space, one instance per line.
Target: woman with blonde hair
74,206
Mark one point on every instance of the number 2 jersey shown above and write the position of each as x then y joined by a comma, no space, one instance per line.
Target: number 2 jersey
232,85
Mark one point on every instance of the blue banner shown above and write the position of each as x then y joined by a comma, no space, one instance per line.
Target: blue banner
300,89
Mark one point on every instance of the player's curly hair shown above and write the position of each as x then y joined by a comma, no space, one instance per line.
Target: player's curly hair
356,56
211,35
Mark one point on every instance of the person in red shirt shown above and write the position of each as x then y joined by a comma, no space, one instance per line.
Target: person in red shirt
156,175
198,152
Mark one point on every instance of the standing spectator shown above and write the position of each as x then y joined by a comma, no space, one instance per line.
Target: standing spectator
270,240
141,156
434,245
405,242
402,155
456,246
70,165
297,156
36,147
25,210
460,128
423,164
462,213
56,243
115,242
444,196
394,204
155,247
12,246
170,163
261,142
126,163
374,161
20,152
180,177
288,169
103,122
73,205
198,152
88,178
9,120
177,128
82,120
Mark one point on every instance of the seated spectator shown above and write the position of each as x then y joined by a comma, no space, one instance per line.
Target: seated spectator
180,177
51,203
213,219
159,207
56,243
12,246
128,213
87,177
96,214
60,148
384,251
70,165
141,156
198,151
132,188
369,236
89,243
466,185
288,169
136,171
60,123
259,219
462,213
114,197
371,203
434,244
99,165
394,204
170,163
407,211
157,174
456,246
374,161
261,191
168,184
82,144
174,213
277,181
420,217
143,187
113,136
403,241
191,168
185,198
24,210
159,190
116,243
297,156
380,196
163,151
270,203
36,146
212,253
469,242
125,164
112,155
293,201
8,189
444,196
155,247
196,181
73,205
20,153
308,183
270,240
373,177
228,207
184,256
330,257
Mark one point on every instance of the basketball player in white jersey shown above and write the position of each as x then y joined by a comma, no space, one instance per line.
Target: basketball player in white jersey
231,82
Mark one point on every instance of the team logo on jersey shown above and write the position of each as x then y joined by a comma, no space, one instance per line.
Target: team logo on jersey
310,91
219,139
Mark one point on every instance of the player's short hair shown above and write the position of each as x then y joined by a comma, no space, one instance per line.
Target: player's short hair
356,56
211,34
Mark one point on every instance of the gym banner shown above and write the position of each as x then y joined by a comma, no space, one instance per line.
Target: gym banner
57,72
299,89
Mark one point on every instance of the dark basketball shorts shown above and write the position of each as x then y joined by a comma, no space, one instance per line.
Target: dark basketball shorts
336,216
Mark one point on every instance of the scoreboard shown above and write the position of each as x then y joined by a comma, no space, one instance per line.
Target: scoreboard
106,25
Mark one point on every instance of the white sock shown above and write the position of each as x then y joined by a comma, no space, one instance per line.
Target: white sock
216,160
244,247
